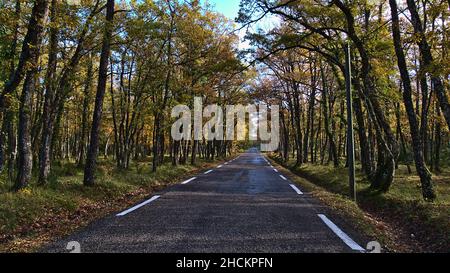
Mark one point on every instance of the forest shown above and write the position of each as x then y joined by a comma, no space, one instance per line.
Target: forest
134,65
399,71
89,85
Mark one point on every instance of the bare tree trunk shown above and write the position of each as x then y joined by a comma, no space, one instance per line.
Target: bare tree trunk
285,138
25,156
85,114
30,53
117,142
424,114
422,170
44,153
437,142
297,126
401,135
363,142
194,152
310,118
12,142
325,102
91,161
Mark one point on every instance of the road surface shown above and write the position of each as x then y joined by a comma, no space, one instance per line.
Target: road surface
244,205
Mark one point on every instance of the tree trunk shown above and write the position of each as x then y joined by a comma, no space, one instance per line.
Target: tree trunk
401,137
30,53
285,138
437,142
117,140
44,153
194,152
310,118
25,154
422,170
325,104
85,114
424,114
156,145
91,161
363,142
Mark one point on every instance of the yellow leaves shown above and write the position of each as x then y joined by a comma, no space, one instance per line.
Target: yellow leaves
436,9
26,192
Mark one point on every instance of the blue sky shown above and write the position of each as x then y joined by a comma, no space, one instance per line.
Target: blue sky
229,8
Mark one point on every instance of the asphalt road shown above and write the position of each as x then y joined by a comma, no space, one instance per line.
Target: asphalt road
245,205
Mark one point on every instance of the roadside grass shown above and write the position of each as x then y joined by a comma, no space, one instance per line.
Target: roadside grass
36,215
400,219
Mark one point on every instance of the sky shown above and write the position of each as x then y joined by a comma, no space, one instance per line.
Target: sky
229,8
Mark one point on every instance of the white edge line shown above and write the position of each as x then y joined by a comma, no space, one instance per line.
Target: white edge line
138,206
297,190
344,237
220,166
284,178
189,180
208,172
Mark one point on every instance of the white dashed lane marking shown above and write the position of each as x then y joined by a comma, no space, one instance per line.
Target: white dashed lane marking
189,180
297,190
282,177
138,206
344,237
